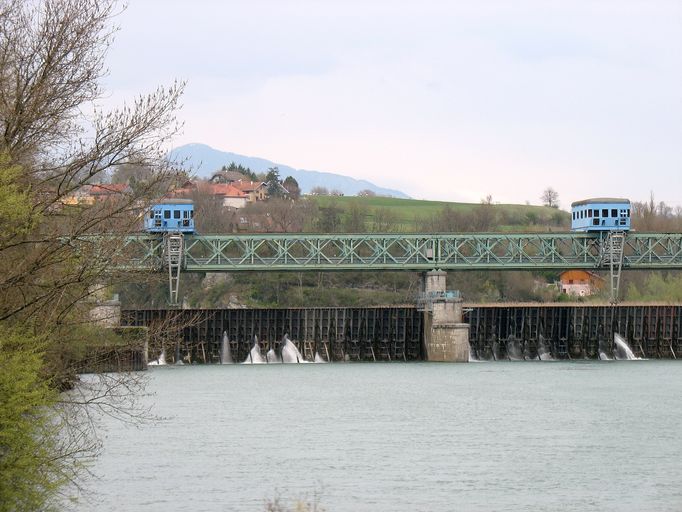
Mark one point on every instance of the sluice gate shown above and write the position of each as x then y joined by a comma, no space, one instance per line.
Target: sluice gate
497,331
334,334
573,331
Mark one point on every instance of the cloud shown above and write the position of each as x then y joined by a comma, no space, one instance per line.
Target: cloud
488,97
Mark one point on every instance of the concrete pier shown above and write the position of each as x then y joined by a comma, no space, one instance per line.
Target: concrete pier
446,336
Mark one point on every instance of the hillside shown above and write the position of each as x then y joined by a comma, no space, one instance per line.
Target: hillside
412,215
203,160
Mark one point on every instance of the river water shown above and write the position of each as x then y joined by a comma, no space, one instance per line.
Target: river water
536,436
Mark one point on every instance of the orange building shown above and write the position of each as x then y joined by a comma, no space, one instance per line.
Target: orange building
230,195
256,190
580,283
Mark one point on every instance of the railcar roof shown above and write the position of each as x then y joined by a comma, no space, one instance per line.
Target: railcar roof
602,200
172,201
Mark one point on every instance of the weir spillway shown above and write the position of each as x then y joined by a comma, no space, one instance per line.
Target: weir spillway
497,331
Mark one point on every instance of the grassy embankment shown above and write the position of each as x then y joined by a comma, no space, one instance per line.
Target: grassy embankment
414,215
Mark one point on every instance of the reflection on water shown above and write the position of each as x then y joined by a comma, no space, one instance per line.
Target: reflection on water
402,437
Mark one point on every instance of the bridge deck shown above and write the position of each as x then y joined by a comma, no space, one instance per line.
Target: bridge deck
413,252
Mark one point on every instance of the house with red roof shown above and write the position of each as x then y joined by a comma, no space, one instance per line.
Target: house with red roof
90,194
229,195
256,190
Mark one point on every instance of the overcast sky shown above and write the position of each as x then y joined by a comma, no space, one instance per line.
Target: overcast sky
450,100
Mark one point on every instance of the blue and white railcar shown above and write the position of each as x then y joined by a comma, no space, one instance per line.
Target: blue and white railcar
601,214
170,216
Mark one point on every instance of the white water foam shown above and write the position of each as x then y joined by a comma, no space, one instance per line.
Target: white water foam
544,354
472,357
318,358
161,361
271,357
290,353
225,353
622,349
514,352
255,356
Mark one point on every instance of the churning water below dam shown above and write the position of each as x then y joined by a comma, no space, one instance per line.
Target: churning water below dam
493,436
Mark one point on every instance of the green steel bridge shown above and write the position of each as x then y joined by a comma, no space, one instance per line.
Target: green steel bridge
413,252
393,252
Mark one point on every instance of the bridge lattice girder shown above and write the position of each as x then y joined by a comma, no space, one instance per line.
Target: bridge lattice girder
413,252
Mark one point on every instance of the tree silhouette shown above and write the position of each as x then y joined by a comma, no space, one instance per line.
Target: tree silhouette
550,197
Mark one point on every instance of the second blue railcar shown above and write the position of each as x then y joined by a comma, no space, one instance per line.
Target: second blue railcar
601,214
170,216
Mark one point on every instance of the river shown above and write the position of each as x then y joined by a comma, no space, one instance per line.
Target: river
504,436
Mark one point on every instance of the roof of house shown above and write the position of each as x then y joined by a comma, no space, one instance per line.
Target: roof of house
224,189
248,186
213,189
105,189
575,273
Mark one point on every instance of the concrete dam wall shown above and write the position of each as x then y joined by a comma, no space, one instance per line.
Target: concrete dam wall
496,331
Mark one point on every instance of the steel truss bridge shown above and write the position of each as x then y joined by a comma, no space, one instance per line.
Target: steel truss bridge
393,252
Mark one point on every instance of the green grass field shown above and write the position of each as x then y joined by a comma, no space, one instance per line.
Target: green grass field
410,214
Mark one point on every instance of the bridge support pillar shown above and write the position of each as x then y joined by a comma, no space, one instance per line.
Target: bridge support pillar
446,336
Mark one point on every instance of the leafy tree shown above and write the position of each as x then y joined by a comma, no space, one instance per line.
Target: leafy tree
246,171
291,185
275,189
51,61
29,471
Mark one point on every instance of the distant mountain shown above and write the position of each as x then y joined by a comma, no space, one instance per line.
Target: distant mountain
204,160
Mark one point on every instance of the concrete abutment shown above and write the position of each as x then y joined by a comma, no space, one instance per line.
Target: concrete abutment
446,336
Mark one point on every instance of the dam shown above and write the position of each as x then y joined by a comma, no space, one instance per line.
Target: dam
397,333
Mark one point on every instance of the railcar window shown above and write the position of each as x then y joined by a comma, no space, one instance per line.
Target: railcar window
191,214
166,214
151,214
185,214
614,212
604,212
176,214
628,212
589,213
596,212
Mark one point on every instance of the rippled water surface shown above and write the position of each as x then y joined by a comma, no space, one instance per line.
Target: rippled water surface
569,436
